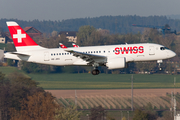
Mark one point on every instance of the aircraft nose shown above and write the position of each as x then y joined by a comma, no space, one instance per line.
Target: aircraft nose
172,54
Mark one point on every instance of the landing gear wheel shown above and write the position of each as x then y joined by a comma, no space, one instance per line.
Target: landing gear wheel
160,68
95,72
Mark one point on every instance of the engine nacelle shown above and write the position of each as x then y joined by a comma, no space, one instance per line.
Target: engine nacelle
116,63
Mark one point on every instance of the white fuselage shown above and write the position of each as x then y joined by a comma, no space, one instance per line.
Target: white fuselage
60,57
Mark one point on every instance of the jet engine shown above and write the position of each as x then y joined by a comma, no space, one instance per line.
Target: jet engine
116,63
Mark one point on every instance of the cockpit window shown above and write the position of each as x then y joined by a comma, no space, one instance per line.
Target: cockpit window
163,48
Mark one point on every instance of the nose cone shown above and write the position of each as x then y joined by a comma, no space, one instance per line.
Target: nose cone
172,54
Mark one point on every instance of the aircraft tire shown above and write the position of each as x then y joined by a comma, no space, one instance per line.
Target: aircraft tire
95,72
160,68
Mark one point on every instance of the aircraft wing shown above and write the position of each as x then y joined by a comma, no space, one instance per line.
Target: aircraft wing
91,58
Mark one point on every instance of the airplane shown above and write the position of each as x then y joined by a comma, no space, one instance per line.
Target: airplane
111,56
64,47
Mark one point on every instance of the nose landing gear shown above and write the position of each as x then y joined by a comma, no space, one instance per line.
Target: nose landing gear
159,66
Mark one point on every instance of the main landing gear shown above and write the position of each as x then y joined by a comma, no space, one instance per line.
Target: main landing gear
95,71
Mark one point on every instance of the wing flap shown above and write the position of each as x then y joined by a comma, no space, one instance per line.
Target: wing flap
91,58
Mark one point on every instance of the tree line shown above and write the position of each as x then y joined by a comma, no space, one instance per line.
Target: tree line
115,24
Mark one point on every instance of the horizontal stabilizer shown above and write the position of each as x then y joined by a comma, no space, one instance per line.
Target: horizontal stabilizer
22,54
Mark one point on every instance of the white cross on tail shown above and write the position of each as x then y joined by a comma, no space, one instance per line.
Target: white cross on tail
19,36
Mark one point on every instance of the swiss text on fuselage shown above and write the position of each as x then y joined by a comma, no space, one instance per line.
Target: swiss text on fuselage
129,50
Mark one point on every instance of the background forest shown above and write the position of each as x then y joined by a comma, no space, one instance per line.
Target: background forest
115,24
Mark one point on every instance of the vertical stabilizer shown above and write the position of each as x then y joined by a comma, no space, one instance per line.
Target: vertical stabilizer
22,41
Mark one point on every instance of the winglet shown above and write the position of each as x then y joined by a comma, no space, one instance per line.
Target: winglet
74,45
62,46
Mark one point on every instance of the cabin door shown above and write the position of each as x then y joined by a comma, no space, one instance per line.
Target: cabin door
46,56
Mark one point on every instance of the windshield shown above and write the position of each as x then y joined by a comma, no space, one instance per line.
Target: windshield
164,48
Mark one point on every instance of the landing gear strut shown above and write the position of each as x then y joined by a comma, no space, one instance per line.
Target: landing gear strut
159,66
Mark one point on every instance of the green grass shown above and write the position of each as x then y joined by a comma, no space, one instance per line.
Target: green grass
8,70
104,81
101,81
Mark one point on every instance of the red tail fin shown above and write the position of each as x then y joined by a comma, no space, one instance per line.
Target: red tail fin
19,36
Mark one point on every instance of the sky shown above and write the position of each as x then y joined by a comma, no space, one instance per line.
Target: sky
68,9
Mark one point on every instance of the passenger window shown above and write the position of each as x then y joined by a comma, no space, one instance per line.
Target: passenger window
51,54
67,53
59,53
96,51
62,53
99,51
